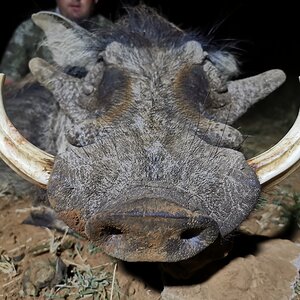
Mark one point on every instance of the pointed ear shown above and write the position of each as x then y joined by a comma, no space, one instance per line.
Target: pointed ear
246,92
70,44
228,106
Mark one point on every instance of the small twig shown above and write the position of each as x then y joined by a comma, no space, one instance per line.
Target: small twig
72,263
79,255
27,209
113,282
101,266
12,281
17,248
29,240
82,267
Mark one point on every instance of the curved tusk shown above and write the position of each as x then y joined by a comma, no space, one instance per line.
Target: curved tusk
281,160
30,162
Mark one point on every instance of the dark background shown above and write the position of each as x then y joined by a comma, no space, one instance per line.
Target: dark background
267,33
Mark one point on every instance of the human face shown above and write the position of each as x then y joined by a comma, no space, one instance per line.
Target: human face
76,10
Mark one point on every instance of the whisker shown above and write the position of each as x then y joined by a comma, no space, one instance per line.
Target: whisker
84,150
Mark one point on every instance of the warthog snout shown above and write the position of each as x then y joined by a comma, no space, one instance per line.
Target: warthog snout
152,230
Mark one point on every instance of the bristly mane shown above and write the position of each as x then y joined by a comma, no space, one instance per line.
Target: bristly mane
142,26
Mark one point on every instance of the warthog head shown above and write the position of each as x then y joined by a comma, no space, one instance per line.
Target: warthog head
148,165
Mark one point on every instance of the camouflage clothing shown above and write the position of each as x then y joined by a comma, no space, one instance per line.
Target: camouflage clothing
26,44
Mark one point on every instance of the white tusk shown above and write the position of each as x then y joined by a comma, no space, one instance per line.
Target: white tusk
30,162
280,160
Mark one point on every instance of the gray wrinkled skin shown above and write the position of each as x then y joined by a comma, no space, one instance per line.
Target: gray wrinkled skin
147,165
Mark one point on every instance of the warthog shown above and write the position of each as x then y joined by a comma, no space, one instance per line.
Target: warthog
144,161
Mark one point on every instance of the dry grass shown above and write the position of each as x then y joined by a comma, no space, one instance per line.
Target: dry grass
78,279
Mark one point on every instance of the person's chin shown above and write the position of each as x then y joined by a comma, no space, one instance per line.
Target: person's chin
75,17
74,13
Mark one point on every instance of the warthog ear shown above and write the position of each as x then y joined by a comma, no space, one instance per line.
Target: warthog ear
69,43
246,92
75,96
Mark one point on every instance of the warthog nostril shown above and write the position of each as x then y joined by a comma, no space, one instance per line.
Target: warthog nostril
190,233
152,230
110,230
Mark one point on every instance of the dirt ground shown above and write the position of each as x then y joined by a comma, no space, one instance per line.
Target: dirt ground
39,263
30,259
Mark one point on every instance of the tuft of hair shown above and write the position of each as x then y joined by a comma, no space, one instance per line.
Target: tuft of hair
141,26
225,62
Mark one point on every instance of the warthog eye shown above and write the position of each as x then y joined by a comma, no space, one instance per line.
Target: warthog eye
192,87
76,71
